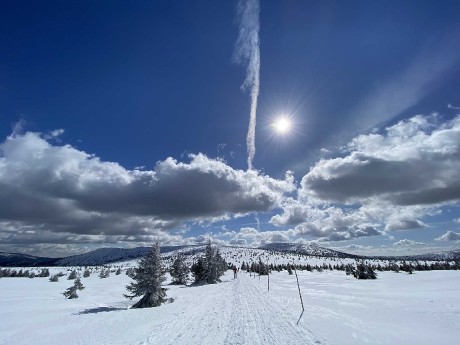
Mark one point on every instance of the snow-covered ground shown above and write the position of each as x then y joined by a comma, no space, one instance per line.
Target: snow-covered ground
423,308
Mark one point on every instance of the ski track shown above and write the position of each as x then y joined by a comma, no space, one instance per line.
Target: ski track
239,311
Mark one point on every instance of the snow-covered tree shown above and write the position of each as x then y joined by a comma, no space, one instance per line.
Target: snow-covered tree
262,268
118,271
72,275
130,272
86,273
104,273
179,270
71,292
364,271
148,277
209,268
54,278
45,272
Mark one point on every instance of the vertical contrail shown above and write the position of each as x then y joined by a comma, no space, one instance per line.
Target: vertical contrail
247,52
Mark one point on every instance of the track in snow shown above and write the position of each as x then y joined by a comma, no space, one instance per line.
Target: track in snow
238,311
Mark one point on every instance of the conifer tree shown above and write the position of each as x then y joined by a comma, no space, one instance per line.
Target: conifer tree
179,271
210,267
364,271
148,277
72,275
45,272
130,272
71,292
104,273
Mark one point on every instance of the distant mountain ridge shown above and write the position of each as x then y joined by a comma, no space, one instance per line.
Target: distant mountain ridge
104,256
24,260
439,256
307,249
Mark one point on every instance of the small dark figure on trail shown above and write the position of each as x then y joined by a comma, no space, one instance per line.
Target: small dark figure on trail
234,271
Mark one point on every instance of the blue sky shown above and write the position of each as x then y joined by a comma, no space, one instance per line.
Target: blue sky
125,122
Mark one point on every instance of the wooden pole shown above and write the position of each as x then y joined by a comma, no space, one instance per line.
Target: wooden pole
268,270
301,300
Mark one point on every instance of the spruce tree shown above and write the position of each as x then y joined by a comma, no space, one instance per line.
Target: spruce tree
71,292
104,273
364,271
179,271
210,267
148,277
54,278
72,275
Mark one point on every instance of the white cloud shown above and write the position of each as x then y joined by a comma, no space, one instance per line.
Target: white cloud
384,182
61,190
405,224
406,242
249,236
449,236
415,162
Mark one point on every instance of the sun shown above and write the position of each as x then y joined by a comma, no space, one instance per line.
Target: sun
282,125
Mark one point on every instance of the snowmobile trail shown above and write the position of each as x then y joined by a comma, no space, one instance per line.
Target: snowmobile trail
237,311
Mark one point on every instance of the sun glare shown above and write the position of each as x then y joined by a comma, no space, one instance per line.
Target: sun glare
282,125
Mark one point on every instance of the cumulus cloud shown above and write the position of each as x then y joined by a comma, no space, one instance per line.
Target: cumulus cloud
59,189
405,224
381,183
335,223
248,236
449,236
414,162
406,242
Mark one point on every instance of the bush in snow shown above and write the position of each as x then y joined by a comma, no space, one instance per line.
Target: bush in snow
262,268
86,273
118,271
72,275
179,271
148,277
45,272
364,271
130,272
289,269
198,270
209,268
104,273
71,292
54,278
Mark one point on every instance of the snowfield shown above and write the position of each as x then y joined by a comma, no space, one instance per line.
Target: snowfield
397,308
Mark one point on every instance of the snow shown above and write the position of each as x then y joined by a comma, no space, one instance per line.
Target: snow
397,308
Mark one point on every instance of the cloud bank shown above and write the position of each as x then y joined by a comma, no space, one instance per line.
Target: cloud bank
415,162
59,191
382,183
